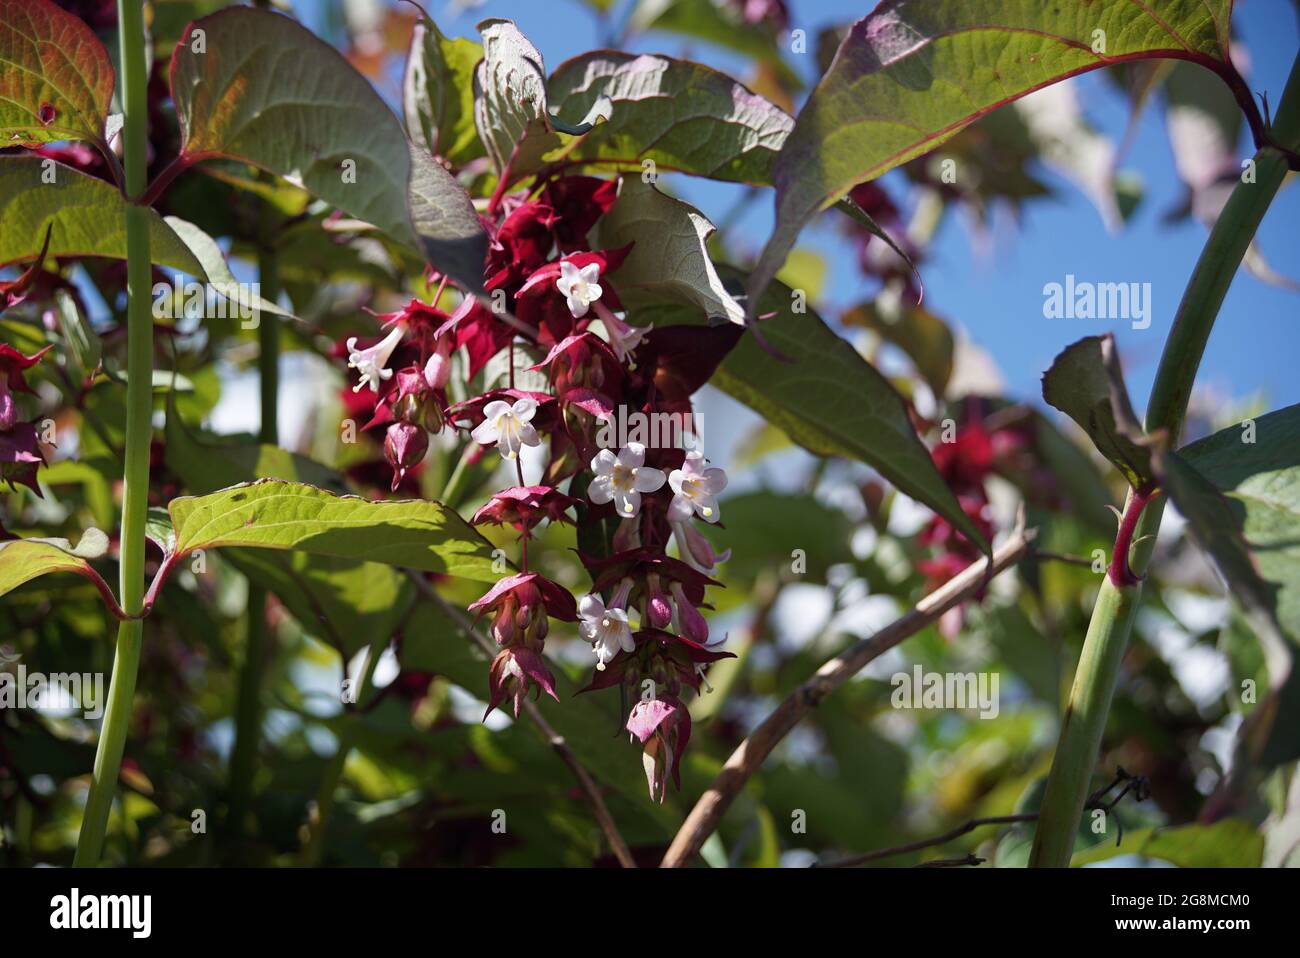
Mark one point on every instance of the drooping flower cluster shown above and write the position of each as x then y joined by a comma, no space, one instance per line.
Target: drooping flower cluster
633,496
984,445
20,451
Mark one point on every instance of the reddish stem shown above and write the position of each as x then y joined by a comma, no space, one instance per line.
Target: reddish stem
1121,574
169,172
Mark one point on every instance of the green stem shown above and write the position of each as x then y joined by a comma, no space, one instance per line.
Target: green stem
315,847
1112,617
248,716
139,403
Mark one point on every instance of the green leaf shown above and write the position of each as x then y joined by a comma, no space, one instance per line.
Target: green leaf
682,115
438,94
84,348
913,73
1086,384
346,602
22,560
449,232
669,260
510,108
763,530
274,514
268,92
923,336
1068,143
833,402
719,24
87,216
1239,490
51,63
1229,843
213,261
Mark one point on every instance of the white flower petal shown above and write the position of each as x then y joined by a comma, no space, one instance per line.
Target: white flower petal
524,409
604,462
486,432
632,455
646,479
601,490
713,480
628,504
680,509
591,607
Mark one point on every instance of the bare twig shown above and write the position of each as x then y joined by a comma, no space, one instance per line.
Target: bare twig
921,843
1136,784
1062,557
553,738
951,862
750,754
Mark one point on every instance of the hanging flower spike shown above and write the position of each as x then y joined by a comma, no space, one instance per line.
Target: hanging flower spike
370,363
513,672
623,478
663,726
509,426
579,287
12,366
605,628
524,507
21,456
695,490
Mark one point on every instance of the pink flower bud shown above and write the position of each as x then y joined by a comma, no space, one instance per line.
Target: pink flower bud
658,607
404,448
688,620
437,371
696,550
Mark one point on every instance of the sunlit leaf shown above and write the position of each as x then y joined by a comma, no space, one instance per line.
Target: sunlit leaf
449,232
86,214
833,402
273,514
669,259
438,94
911,74
680,115
1086,384
510,107
56,81
267,91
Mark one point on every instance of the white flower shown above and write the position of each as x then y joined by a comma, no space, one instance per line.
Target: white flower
508,425
370,362
622,336
695,489
579,287
623,478
606,629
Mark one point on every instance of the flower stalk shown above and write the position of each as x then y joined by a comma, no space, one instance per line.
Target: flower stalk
139,400
1112,617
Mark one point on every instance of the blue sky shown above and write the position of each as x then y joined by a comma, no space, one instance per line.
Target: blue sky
996,295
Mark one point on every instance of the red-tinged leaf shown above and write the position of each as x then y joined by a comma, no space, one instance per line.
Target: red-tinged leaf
56,81
913,73
266,91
